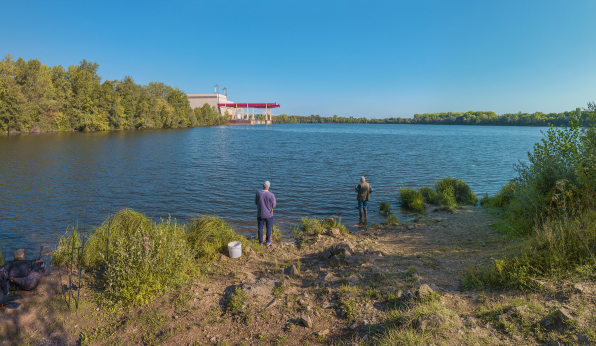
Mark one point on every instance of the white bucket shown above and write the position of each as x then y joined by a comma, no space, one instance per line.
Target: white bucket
235,249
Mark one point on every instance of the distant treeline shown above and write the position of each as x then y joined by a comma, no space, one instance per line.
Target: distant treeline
449,118
35,97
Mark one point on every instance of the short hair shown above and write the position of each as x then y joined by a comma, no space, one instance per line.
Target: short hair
362,180
266,184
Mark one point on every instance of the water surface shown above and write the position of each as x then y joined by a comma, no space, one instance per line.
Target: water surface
51,181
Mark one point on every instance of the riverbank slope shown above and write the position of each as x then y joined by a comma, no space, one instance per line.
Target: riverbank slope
398,284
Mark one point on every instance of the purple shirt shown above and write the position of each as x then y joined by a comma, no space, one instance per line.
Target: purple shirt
265,202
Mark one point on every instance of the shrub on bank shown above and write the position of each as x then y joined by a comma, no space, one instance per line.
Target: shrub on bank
411,199
145,258
458,188
312,225
429,195
558,247
550,205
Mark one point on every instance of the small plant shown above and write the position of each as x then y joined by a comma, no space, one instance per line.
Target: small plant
321,339
262,336
349,308
236,301
391,220
279,290
281,340
275,234
298,265
411,199
385,207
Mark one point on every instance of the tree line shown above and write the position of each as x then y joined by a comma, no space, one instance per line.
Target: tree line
35,97
450,118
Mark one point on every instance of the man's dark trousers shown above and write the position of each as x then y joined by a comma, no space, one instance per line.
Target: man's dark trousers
269,222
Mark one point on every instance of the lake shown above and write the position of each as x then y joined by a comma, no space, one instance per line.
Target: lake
52,181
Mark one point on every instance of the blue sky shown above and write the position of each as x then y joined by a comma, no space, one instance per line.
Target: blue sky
350,58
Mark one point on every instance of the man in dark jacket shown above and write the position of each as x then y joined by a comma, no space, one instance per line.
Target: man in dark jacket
265,202
364,190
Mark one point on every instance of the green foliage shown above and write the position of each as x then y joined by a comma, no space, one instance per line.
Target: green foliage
551,205
236,301
447,199
411,199
37,97
275,234
312,225
446,118
501,199
208,236
1,256
457,188
145,258
385,207
349,308
429,195
391,220
558,247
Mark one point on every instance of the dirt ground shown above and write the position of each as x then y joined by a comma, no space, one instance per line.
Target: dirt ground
363,299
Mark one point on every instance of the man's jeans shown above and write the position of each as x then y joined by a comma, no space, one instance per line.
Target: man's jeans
269,222
362,204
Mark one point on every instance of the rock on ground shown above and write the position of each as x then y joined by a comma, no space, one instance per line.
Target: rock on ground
292,271
306,321
423,291
432,321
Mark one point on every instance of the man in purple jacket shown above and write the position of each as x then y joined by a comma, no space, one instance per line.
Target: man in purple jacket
265,202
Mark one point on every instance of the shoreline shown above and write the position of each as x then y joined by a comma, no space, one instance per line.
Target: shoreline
350,302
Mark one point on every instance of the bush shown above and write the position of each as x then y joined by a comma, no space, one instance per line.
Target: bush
312,225
429,195
208,236
447,199
411,199
558,248
385,207
145,259
461,191
503,198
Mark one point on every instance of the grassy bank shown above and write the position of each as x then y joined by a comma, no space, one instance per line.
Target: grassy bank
144,259
549,209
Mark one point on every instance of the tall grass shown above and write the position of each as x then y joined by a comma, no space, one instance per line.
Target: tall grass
411,199
145,258
557,247
208,236
312,225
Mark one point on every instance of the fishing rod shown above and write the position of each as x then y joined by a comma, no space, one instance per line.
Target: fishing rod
349,176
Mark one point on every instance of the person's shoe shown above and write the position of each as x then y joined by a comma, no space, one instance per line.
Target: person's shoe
261,244
268,243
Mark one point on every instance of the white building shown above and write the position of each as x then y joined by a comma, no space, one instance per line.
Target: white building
198,100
